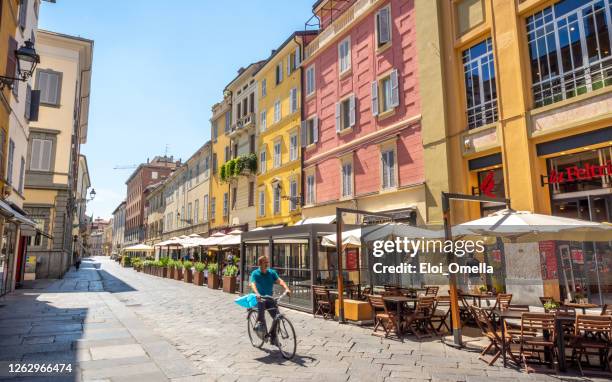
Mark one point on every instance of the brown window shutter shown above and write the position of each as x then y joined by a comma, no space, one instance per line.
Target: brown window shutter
11,60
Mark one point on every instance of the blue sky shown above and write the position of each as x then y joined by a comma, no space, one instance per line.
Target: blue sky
158,68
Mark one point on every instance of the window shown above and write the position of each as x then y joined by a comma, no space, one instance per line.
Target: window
480,88
251,194
21,174
23,13
205,208
251,103
225,204
277,154
49,83
388,169
196,212
279,73
345,113
310,131
234,197
183,217
9,167
293,147
310,189
277,199
293,101
293,190
214,163
227,153
41,154
189,219
344,55
263,88
213,207
264,123
383,26
293,60
569,46
252,144
262,203
215,131
277,111
310,80
347,179
154,175
262,161
228,121
388,87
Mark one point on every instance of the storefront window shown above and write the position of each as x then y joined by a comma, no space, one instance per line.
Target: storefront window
491,184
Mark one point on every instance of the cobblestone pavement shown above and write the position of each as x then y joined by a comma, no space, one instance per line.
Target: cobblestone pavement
117,324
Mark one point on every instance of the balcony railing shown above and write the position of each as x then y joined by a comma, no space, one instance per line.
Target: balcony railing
243,123
339,25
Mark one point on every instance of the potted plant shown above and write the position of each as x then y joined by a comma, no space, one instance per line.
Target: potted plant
126,261
137,264
213,277
551,305
163,267
178,270
170,266
187,274
482,289
229,278
581,298
198,275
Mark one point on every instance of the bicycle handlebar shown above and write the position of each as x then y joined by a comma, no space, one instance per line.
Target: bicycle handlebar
277,299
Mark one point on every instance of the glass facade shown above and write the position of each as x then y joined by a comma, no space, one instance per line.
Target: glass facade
569,48
480,87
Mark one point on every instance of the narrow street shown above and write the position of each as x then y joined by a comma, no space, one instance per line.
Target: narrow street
115,324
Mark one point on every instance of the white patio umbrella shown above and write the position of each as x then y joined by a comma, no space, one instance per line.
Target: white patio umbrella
383,231
213,239
138,248
525,226
351,238
233,238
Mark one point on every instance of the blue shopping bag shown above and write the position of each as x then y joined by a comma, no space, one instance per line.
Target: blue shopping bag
247,301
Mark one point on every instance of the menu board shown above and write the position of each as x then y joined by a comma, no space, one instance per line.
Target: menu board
548,260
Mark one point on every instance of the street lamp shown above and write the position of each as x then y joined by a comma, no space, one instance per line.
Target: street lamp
27,59
92,195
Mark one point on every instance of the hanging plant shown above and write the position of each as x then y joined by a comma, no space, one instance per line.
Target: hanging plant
252,163
231,168
223,173
240,165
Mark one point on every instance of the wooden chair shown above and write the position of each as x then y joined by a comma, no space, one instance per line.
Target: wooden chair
324,305
431,290
606,310
383,317
419,320
502,302
592,333
442,313
392,290
494,336
536,337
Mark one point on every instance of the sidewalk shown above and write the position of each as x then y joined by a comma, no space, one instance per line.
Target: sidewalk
79,320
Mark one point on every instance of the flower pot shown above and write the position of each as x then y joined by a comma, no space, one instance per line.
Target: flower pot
163,272
178,273
229,284
170,273
187,276
198,278
213,281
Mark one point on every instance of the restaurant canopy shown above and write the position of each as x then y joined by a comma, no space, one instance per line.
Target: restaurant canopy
138,248
525,226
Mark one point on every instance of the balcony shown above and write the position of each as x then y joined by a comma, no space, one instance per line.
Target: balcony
356,11
243,124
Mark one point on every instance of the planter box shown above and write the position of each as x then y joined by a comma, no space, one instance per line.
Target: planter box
213,281
163,272
178,273
170,272
229,284
198,278
188,276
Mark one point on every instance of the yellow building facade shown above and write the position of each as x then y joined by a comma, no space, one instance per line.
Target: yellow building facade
278,125
220,126
529,105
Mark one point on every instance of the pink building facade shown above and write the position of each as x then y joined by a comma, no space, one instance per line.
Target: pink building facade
361,130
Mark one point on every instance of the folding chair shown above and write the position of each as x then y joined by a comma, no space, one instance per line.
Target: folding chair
592,333
383,317
495,338
323,302
536,337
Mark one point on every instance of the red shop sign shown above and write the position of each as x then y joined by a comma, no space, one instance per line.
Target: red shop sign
575,173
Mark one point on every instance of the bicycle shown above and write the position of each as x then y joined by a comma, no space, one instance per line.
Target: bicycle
285,334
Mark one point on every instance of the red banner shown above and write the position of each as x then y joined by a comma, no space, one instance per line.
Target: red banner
548,260
351,259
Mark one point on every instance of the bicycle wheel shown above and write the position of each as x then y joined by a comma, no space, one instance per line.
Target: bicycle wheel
285,338
256,340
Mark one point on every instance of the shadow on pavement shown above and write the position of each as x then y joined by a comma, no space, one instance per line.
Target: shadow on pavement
33,330
274,357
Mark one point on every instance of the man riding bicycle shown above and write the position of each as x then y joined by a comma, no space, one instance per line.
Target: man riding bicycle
262,283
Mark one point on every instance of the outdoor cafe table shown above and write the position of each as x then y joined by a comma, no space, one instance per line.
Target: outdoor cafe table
582,306
478,297
399,301
560,320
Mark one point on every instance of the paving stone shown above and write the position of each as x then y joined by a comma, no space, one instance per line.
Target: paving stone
119,351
